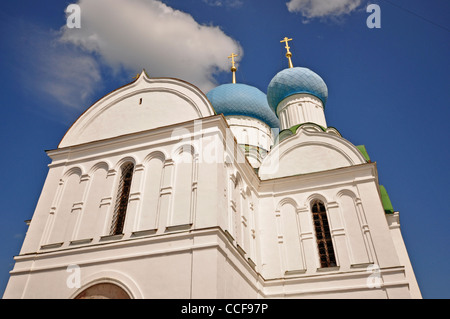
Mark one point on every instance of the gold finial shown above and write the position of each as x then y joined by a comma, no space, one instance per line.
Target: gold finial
233,66
136,76
288,54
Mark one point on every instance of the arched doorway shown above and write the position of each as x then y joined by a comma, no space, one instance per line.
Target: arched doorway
103,291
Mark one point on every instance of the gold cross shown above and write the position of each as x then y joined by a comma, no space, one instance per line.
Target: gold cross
233,66
232,56
288,54
286,39
136,76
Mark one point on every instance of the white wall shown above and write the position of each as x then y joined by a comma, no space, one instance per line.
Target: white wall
208,227
301,108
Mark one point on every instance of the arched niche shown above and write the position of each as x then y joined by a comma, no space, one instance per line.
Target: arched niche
289,236
183,181
69,204
153,179
92,216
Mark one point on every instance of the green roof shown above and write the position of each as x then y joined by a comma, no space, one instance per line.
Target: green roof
293,130
386,201
295,127
363,151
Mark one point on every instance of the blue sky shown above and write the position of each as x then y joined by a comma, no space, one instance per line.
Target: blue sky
388,89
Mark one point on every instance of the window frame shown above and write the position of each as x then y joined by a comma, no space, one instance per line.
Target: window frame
324,239
122,198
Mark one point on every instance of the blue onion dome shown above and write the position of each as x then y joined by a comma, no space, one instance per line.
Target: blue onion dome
244,100
295,80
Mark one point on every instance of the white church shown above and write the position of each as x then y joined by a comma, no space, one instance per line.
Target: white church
159,190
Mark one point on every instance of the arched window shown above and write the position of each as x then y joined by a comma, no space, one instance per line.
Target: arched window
103,291
123,193
323,235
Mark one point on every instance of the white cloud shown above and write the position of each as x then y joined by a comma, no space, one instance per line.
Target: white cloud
136,34
227,3
323,8
70,77
58,74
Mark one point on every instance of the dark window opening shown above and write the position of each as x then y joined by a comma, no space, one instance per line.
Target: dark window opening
123,194
323,235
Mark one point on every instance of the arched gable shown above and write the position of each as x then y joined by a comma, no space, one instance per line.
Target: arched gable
309,151
144,104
